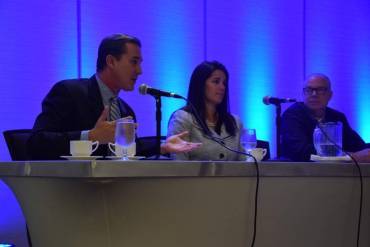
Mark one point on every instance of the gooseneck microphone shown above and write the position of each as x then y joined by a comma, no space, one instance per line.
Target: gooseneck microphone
145,89
267,100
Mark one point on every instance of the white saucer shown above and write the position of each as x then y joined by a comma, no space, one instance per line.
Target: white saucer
129,157
69,157
330,159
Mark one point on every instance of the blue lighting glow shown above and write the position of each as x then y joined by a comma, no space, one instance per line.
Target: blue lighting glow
38,49
256,73
176,53
362,100
255,84
11,217
338,45
361,65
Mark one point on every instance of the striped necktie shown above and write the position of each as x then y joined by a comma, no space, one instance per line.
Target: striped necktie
114,111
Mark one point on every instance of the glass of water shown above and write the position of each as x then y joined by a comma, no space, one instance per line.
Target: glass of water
125,135
249,139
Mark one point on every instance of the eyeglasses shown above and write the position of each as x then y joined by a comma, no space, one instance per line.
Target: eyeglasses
317,90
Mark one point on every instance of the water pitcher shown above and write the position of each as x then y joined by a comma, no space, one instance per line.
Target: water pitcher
327,139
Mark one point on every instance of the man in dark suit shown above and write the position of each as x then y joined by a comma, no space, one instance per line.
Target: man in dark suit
300,119
80,109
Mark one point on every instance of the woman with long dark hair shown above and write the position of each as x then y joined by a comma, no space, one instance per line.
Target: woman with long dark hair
207,117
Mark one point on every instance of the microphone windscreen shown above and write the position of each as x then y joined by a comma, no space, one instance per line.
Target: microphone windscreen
143,89
266,100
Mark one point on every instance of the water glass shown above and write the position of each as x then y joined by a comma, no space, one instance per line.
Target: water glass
125,135
249,139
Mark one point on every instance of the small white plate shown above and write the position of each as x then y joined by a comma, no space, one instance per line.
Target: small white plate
69,157
129,157
345,158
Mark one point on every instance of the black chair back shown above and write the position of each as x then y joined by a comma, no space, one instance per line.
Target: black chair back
264,144
147,145
16,140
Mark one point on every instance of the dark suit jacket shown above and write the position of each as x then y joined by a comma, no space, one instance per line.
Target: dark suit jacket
70,107
297,127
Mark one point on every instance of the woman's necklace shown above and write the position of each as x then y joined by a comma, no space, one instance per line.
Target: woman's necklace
212,123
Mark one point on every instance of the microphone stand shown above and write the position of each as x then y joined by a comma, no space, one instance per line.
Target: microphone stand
278,127
158,117
277,103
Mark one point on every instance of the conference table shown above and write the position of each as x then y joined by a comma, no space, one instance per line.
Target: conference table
190,203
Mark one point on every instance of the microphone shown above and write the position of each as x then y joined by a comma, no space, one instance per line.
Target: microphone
267,100
145,89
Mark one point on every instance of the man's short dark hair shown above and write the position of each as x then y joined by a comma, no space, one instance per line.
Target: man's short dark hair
114,45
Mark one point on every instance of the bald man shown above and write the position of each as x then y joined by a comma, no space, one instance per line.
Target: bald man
300,119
